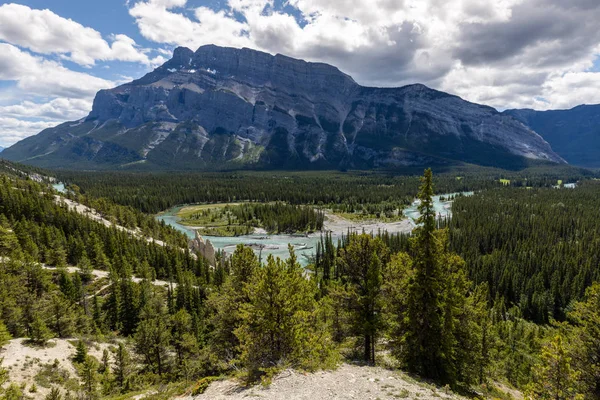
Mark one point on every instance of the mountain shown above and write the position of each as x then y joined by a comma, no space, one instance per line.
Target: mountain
574,134
1,148
223,107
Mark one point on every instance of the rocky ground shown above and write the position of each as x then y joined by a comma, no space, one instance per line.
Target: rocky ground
347,382
24,361
339,225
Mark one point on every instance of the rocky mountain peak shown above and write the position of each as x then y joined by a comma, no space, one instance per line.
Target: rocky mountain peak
221,106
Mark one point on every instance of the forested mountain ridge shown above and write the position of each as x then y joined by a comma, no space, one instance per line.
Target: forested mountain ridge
574,134
226,108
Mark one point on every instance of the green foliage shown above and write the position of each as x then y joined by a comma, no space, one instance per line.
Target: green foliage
436,319
54,394
203,384
350,192
88,371
122,366
5,335
538,249
40,334
153,336
586,339
281,324
554,378
277,217
80,352
361,263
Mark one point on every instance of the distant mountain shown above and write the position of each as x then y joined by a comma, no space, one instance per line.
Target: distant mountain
574,134
223,107
1,148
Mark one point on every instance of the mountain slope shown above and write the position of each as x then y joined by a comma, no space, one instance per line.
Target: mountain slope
574,134
222,107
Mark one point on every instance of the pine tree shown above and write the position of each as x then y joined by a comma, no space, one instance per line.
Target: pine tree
423,352
89,377
280,322
40,333
80,352
227,302
122,366
437,319
586,335
85,268
184,341
104,365
54,394
554,378
153,336
361,267
62,319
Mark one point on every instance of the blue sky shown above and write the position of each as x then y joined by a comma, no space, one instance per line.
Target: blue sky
55,55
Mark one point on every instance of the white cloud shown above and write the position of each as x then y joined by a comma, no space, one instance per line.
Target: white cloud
506,53
45,32
37,76
13,129
60,109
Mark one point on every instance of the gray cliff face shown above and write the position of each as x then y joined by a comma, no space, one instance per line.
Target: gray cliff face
222,107
574,133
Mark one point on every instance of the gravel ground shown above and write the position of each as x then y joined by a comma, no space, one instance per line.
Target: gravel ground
347,382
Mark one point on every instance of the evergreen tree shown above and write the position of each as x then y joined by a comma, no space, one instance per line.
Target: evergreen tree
424,351
586,337
122,366
184,341
153,336
439,319
554,378
361,265
40,333
227,302
61,316
54,394
104,364
80,352
89,377
281,324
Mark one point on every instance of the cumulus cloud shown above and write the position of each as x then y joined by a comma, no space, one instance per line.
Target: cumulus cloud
505,53
38,76
57,109
13,129
45,32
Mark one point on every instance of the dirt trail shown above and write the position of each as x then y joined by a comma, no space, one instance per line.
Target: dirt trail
347,382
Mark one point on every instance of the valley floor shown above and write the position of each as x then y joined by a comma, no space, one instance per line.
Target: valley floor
347,382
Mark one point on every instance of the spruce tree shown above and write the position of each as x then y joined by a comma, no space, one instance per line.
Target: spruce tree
40,333
80,352
89,377
122,366
153,336
54,394
227,302
586,337
280,323
423,337
361,265
554,377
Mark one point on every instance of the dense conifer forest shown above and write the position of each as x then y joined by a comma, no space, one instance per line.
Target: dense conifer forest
504,292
